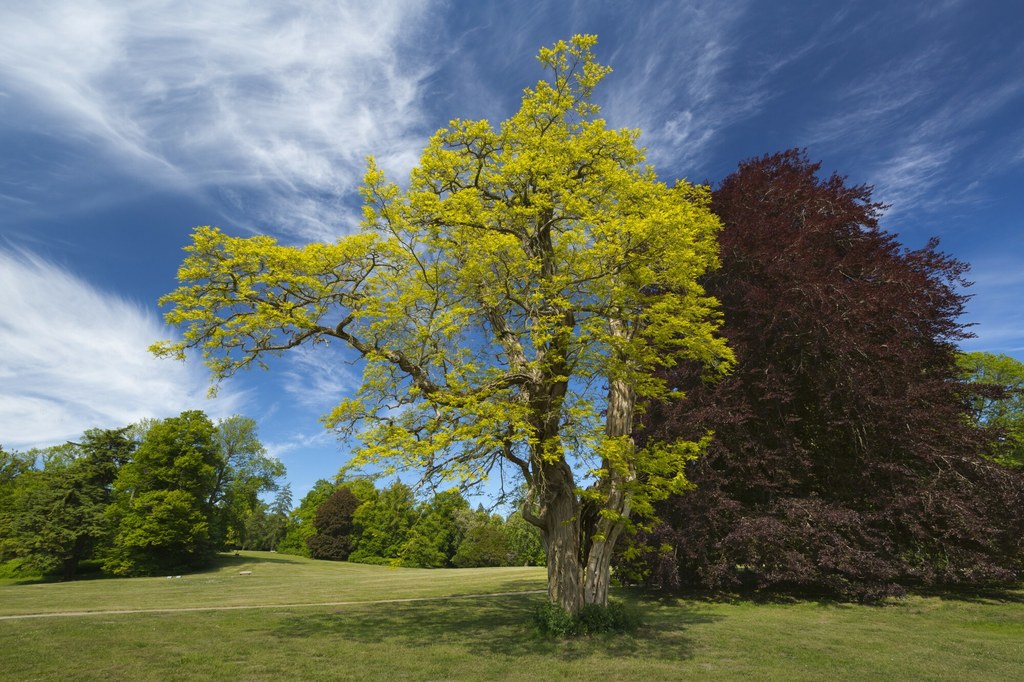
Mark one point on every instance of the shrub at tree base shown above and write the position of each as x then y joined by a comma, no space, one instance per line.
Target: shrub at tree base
844,460
592,619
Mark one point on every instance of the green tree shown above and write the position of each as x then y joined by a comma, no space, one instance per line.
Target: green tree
16,468
256,530
14,464
997,403
243,472
523,541
277,518
282,500
59,517
484,542
383,524
163,509
436,534
510,306
300,525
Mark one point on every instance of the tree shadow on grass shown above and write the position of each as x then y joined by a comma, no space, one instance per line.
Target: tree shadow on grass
226,560
976,595
498,625
1004,594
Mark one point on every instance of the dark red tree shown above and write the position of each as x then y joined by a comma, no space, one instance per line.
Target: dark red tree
333,524
843,460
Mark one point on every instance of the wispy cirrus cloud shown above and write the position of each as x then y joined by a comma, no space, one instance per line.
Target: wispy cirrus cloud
231,96
75,358
676,90
918,122
296,450
994,307
319,377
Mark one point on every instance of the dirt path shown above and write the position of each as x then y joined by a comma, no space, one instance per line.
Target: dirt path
114,612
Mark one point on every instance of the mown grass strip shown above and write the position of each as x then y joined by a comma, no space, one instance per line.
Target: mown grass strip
273,580
186,609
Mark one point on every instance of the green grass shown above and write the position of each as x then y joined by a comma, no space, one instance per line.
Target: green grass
486,638
276,580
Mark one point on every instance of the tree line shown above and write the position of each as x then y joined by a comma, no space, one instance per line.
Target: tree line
354,521
163,495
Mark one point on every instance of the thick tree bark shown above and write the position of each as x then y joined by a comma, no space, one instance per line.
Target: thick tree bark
599,558
610,525
561,537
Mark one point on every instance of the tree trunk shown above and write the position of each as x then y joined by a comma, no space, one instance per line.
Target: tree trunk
610,524
560,534
599,558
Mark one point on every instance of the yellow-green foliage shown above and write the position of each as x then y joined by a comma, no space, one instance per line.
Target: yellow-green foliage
538,255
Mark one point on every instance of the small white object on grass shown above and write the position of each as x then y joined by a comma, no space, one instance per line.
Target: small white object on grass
245,573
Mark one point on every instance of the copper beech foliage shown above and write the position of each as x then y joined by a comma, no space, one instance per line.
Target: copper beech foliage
843,461
333,523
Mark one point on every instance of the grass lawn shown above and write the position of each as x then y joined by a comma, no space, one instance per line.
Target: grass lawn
477,638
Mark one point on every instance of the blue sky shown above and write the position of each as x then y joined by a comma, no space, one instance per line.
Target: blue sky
125,124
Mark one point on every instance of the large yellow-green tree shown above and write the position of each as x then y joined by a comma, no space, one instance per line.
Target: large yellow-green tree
509,308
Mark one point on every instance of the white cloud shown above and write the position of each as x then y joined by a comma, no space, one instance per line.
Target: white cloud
283,96
297,444
919,119
75,358
320,377
994,307
909,174
675,90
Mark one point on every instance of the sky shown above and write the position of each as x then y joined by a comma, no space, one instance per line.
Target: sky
123,125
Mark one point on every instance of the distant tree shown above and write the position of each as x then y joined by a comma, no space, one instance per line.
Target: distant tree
436,533
843,460
484,542
282,500
62,519
997,402
15,469
256,528
163,508
137,431
512,302
266,524
300,522
14,464
383,524
333,523
523,541
277,518
243,473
